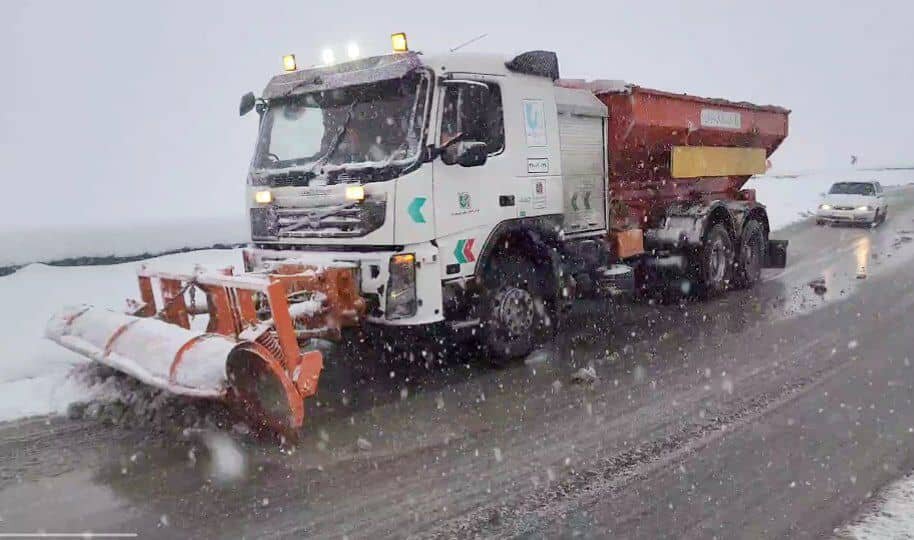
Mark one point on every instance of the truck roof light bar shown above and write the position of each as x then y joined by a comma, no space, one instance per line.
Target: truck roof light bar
398,42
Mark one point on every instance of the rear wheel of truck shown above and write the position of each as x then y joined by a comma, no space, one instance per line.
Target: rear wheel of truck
751,255
715,260
515,313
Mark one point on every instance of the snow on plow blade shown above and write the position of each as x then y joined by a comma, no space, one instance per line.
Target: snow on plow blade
249,353
153,351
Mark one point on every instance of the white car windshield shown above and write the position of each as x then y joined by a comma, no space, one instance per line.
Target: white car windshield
852,188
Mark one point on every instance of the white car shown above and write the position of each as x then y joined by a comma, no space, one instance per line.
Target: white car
853,202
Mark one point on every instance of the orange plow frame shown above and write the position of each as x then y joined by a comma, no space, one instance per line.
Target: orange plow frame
232,309
251,342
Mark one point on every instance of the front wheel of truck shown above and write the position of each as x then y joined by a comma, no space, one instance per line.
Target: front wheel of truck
516,314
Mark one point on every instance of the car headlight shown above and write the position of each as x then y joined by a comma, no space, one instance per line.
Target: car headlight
401,287
863,208
824,207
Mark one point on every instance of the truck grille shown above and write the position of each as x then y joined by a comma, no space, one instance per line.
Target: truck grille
348,220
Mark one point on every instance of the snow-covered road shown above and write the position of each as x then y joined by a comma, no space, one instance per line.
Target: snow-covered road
744,415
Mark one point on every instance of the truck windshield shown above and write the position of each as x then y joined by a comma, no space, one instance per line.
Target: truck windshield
852,188
361,127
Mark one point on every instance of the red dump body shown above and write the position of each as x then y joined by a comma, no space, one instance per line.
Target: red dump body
644,126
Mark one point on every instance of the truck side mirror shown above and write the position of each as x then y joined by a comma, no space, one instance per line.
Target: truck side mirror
466,154
247,103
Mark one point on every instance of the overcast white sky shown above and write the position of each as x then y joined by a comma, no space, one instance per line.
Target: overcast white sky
127,110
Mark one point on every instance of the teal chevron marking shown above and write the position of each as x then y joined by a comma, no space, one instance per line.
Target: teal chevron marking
458,252
415,209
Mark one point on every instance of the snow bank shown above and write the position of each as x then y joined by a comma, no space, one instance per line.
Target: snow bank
790,198
33,370
894,517
24,245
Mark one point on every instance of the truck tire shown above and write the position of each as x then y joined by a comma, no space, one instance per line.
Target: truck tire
715,261
750,259
515,314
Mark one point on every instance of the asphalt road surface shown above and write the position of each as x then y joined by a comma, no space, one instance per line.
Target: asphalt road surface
775,412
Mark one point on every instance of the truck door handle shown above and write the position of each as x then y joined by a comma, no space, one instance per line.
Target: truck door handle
506,200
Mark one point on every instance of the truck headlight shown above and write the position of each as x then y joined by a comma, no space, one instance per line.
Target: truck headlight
824,207
355,193
263,197
401,287
863,208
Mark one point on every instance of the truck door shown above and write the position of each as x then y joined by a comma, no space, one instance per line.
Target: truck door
467,176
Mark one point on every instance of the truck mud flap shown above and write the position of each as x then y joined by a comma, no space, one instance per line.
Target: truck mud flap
777,254
617,280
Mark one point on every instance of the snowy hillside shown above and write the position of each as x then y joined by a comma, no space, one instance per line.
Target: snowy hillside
27,245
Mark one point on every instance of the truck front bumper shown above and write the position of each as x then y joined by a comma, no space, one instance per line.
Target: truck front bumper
373,275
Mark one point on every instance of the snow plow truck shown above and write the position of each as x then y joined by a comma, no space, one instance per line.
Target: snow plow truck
468,193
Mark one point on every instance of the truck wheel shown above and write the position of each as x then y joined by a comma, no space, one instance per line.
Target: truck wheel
715,261
515,316
751,255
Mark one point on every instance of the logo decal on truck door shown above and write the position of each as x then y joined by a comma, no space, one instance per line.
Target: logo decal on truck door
464,204
535,122
463,252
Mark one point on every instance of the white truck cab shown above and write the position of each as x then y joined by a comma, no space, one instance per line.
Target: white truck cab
464,187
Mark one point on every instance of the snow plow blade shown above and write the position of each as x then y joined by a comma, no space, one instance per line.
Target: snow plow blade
248,354
153,351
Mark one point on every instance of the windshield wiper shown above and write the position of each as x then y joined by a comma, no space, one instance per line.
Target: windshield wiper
336,141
